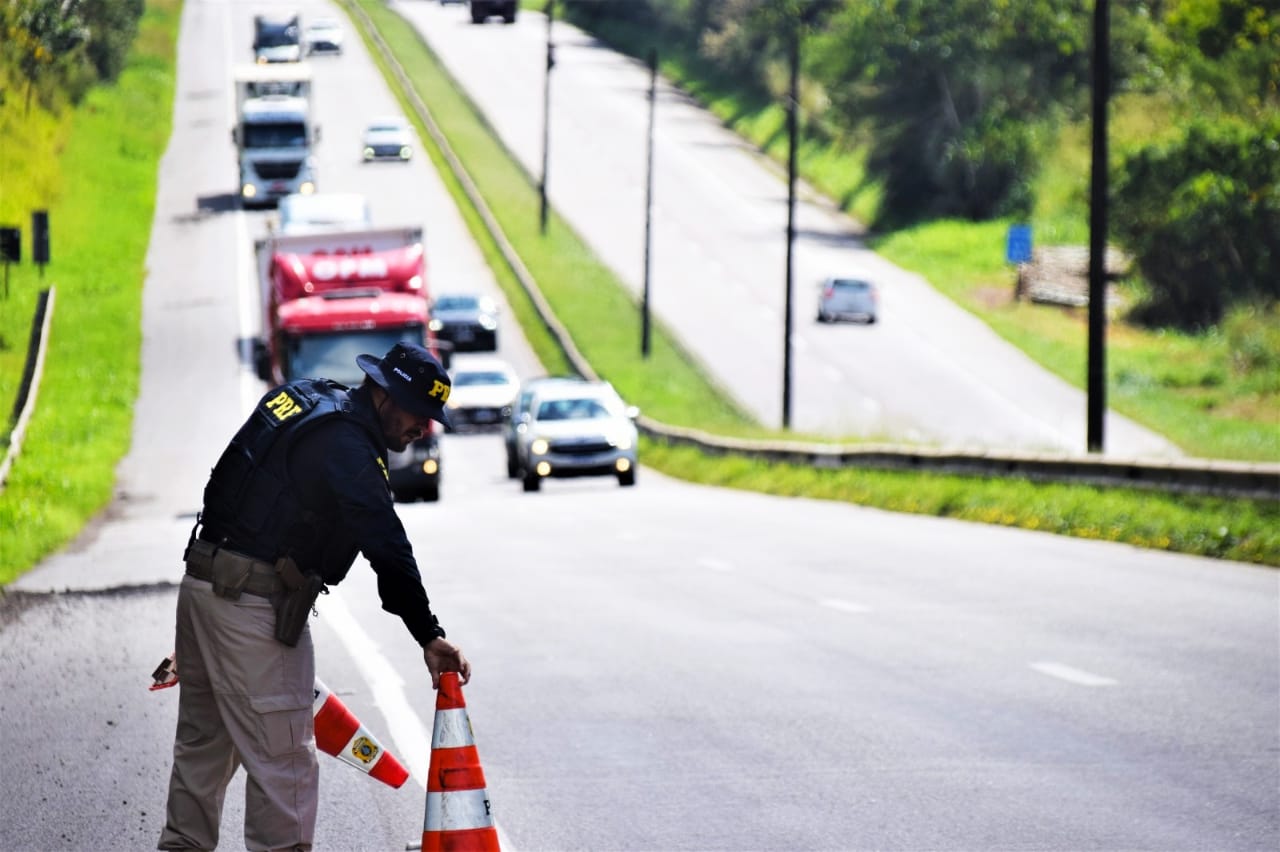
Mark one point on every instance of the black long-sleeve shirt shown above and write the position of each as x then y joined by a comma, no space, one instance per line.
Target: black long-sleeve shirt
340,473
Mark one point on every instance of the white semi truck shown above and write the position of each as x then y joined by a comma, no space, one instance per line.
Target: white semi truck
274,132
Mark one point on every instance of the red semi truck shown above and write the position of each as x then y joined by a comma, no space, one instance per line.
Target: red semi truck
330,296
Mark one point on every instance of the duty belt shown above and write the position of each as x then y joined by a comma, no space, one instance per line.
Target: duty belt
230,572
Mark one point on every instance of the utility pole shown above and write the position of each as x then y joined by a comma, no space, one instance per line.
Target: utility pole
648,204
793,99
1097,368
546,119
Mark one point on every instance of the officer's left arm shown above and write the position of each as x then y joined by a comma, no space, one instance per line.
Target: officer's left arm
358,477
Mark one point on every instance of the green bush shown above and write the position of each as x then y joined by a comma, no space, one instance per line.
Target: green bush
1202,218
112,24
61,48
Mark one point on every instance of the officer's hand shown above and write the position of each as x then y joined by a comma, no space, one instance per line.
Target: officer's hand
441,655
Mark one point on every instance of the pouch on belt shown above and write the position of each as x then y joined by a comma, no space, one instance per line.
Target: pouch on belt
294,603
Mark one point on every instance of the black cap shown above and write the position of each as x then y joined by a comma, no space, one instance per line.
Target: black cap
413,377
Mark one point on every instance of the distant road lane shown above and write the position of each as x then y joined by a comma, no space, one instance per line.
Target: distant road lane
928,372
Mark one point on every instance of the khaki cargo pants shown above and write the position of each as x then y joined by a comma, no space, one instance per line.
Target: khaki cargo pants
244,700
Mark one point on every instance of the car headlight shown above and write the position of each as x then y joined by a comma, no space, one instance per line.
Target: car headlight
248,190
307,188
488,323
538,447
435,325
406,152
368,152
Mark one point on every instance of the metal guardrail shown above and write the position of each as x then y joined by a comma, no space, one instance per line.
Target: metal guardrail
1200,476
32,373
1197,476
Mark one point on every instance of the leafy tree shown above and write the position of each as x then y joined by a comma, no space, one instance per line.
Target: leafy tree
1229,48
44,38
64,46
1202,216
951,92
112,26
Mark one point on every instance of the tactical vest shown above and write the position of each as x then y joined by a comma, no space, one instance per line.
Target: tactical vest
249,501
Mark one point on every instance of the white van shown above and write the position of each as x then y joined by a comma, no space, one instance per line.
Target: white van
323,211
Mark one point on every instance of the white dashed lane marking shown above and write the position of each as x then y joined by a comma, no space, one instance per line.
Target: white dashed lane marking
844,606
1072,675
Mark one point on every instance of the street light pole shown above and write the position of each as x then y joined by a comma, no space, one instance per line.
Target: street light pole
546,120
1097,370
648,204
793,99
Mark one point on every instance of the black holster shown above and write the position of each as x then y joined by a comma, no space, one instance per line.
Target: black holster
293,604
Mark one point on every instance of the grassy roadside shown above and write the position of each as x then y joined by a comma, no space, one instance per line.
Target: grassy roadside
593,306
30,137
101,202
1205,392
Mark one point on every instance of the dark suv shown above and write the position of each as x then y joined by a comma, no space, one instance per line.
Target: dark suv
467,322
414,472
481,10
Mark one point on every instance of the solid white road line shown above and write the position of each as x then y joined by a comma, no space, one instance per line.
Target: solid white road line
1072,675
413,746
844,606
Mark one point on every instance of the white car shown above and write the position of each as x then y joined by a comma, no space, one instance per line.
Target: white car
517,422
324,35
388,138
848,299
484,388
577,429
323,211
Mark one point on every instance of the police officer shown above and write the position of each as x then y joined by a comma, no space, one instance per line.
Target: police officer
300,490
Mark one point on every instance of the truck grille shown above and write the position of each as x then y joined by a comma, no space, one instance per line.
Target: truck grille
277,171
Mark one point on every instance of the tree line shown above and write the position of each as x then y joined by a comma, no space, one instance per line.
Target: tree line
59,49
955,104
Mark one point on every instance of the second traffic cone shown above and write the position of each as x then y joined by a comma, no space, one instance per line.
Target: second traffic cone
458,816
339,733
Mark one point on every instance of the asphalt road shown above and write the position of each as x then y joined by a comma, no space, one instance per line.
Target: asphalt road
659,667
927,372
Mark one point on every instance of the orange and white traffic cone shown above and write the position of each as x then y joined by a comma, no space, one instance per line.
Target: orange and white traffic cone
339,733
458,817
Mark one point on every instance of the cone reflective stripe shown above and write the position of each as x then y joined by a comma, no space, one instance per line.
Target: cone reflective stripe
339,733
458,817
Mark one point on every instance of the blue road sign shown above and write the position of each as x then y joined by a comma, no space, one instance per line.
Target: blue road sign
1018,248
